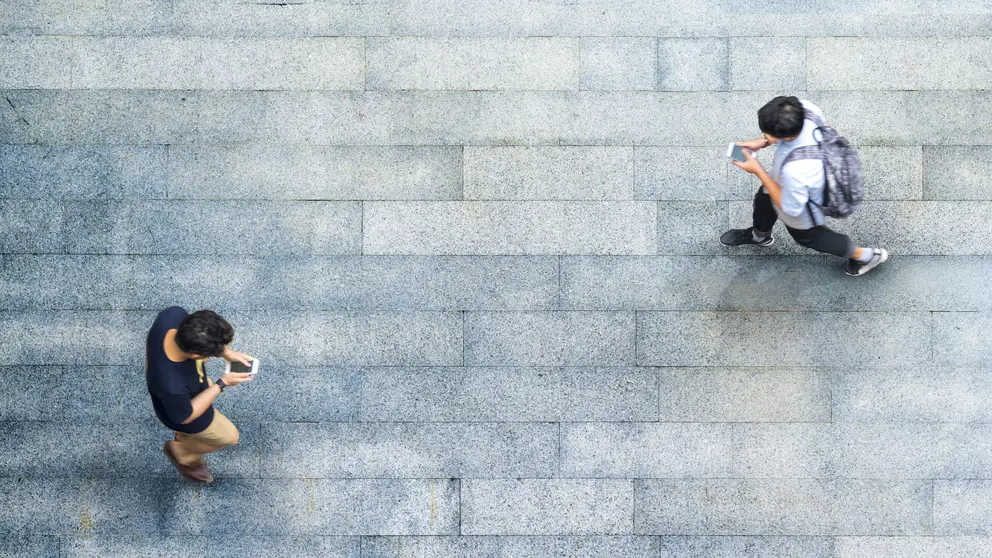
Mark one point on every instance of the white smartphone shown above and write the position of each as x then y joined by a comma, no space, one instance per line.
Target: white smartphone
736,153
241,368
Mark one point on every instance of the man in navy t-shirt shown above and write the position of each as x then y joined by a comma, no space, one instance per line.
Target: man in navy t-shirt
178,344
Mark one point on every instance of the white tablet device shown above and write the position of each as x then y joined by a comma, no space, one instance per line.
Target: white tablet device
736,153
241,368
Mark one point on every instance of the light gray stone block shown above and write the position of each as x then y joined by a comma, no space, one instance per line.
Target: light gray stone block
302,63
920,228
549,339
31,226
888,63
351,338
315,173
227,18
311,63
619,63
215,227
962,508
509,547
307,507
548,173
136,63
767,63
890,173
645,450
691,228
51,172
911,547
509,228
547,507
924,394
409,450
690,64
956,172
962,338
67,449
94,118
35,63
744,395
788,339
783,451
908,117
681,174
525,63
746,547
862,451
783,507
88,17
289,283
508,394
769,283
94,338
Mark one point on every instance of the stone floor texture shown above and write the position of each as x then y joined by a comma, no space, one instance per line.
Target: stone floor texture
474,244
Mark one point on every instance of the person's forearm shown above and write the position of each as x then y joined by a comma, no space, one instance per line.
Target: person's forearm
774,190
202,402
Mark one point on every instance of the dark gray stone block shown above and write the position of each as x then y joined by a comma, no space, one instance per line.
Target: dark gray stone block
315,173
21,545
82,172
290,283
933,283
509,547
66,449
962,338
214,227
383,450
508,394
747,547
549,339
783,507
788,339
93,338
309,507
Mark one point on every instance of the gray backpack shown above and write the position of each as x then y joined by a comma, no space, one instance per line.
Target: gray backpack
841,167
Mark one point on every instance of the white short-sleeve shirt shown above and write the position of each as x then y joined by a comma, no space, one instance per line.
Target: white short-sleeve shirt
801,180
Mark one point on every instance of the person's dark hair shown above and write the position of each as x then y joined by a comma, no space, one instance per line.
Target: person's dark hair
204,333
782,117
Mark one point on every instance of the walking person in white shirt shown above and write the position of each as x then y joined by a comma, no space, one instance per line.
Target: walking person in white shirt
794,191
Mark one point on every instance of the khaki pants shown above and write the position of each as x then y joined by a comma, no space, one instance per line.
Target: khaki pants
220,434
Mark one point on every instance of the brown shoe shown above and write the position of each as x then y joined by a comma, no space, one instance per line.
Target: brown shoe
194,473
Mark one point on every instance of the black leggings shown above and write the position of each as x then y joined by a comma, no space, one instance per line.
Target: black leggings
819,238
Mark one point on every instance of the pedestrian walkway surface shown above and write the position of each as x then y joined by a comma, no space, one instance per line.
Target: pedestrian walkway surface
474,244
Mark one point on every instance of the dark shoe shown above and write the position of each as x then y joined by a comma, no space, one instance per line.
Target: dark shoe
741,237
194,473
855,268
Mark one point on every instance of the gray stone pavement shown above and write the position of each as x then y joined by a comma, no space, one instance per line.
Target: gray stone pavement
475,245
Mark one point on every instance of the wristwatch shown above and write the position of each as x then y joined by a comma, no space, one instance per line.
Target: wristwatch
220,383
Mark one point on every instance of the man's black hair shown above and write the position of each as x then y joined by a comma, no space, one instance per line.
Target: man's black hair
204,333
782,117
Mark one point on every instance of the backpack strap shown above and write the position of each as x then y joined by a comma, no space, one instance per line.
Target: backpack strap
801,153
810,115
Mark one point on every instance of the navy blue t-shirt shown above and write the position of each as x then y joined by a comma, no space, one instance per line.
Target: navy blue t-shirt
173,385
